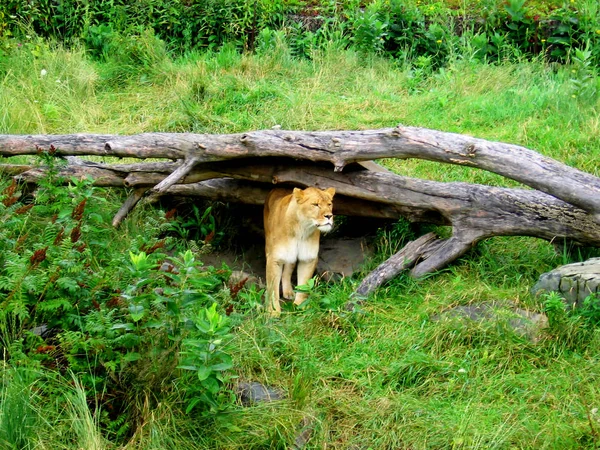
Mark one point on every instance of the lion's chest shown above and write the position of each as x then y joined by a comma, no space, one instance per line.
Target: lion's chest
297,250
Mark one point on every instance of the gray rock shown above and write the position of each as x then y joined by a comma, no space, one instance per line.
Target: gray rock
42,331
525,323
255,392
168,267
574,282
341,257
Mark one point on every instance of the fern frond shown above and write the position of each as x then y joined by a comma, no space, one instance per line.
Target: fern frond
54,305
194,247
68,284
16,267
36,282
18,307
49,234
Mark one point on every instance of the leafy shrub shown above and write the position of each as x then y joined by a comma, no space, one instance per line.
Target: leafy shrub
116,317
98,40
584,79
555,36
406,31
398,29
136,57
369,30
183,25
205,355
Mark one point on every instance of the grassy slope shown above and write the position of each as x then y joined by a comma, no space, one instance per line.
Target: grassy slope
388,378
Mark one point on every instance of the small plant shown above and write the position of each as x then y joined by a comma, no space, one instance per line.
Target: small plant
555,307
584,79
198,226
575,326
205,354
590,310
98,39
18,416
369,30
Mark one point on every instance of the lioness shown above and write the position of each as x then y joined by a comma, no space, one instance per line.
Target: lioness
293,224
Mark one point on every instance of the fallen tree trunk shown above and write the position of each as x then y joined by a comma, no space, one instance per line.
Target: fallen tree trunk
244,167
218,185
337,147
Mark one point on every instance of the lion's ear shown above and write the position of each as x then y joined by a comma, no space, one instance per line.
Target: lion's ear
298,194
330,191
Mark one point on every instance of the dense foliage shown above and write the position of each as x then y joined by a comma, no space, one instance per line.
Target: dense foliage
135,323
400,29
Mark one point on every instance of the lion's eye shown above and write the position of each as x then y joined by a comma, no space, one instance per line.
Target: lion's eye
315,204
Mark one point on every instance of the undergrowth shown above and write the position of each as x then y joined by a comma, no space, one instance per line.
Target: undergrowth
425,29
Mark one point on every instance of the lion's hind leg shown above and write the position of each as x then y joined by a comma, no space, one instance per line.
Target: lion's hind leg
274,272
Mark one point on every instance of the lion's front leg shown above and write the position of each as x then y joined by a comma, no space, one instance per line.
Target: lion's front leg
306,269
274,270
286,280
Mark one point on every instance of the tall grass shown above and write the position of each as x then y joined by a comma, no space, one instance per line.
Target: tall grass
84,422
529,103
388,377
19,418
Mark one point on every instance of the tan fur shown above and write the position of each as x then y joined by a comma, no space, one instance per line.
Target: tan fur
293,224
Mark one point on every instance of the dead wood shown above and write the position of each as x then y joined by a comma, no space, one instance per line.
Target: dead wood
474,211
337,147
565,202
128,205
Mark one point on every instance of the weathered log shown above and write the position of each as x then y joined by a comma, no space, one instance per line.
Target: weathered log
241,191
483,210
129,204
176,176
243,167
337,147
215,188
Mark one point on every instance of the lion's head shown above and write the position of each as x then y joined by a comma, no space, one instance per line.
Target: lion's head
315,207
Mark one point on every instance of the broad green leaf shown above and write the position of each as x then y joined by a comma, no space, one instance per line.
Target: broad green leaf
136,312
211,385
203,373
132,356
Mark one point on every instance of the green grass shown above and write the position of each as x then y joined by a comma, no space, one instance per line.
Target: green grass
18,416
388,377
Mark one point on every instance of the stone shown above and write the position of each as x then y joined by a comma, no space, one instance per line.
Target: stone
341,257
575,282
42,331
528,324
254,392
168,267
